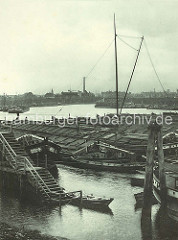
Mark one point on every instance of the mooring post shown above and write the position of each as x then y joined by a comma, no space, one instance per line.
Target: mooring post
81,197
146,224
163,189
60,201
149,166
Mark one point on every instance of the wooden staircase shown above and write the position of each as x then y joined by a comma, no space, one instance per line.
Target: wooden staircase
17,150
51,187
40,178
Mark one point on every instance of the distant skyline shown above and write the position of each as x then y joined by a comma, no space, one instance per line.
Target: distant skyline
55,43
97,93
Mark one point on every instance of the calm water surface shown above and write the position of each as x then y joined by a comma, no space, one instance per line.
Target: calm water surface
74,223
38,113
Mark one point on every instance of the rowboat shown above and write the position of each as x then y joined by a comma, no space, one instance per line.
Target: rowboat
90,201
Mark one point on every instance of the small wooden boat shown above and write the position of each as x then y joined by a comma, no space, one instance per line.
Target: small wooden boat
89,201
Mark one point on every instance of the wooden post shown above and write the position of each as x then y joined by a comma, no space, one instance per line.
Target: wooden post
146,224
163,189
81,197
149,166
60,201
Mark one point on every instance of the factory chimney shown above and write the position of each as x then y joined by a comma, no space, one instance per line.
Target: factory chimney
84,85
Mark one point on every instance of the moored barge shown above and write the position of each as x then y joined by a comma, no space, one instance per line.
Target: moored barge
171,177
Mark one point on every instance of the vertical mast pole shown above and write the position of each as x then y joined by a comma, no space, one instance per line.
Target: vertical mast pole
115,36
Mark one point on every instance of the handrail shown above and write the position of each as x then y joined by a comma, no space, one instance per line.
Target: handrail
39,184
9,149
8,144
14,156
31,166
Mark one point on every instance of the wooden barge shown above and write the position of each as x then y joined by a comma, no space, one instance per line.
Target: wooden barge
88,146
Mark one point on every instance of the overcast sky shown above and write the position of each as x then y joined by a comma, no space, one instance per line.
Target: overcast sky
47,44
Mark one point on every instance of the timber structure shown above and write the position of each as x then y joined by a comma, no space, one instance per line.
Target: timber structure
18,172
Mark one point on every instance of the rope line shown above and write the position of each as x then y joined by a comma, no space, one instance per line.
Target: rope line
149,56
125,36
100,58
127,43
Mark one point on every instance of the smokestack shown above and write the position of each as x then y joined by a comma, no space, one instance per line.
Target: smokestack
84,85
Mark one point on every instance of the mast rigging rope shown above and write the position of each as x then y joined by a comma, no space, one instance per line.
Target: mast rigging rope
149,56
100,58
127,43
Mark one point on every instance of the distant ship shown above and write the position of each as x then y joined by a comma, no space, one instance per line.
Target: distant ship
18,109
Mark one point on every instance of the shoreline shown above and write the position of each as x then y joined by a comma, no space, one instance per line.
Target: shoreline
14,233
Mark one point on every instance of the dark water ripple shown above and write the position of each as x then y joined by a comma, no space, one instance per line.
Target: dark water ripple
123,222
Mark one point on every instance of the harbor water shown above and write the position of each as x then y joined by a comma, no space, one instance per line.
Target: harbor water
122,222
77,110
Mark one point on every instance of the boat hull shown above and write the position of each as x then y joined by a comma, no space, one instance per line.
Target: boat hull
121,168
172,199
101,205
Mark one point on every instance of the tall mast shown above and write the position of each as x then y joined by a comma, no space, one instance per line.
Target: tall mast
115,36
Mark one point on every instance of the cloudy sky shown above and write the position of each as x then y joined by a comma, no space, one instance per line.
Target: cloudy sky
47,44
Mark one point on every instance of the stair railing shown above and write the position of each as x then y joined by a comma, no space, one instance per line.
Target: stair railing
27,164
6,146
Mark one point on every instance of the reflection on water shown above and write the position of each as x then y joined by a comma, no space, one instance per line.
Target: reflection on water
75,223
159,227
165,228
146,223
